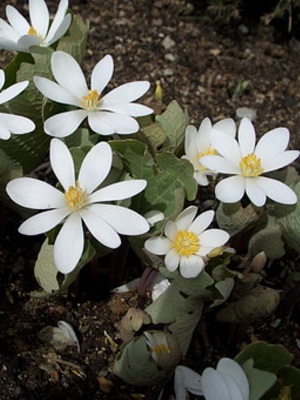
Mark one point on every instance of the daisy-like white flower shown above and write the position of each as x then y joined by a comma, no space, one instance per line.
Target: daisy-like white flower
19,35
106,114
187,242
248,162
79,201
198,144
227,382
10,123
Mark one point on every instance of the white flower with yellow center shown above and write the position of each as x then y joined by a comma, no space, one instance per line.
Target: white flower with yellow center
248,162
187,242
79,201
10,123
106,113
19,35
198,144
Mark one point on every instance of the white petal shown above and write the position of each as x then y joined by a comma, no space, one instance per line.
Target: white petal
201,178
132,109
202,222
95,167
102,73
39,16
277,190
255,193
54,91
62,29
4,131
12,91
98,124
44,221
158,245
17,124
226,125
32,193
127,92
226,146
64,124
185,218
272,143
190,143
171,230
58,21
100,229
186,379
6,44
26,41
68,246
213,386
231,190
68,73
62,163
154,216
213,238
191,266
118,191
279,161
118,123
233,369
2,78
246,137
16,19
118,217
219,164
172,260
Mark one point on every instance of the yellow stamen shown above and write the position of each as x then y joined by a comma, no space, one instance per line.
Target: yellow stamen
209,151
75,197
186,243
161,347
91,100
251,165
33,32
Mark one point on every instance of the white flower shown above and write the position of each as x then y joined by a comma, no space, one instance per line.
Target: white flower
227,382
19,35
106,114
247,162
78,201
158,343
187,242
198,144
10,123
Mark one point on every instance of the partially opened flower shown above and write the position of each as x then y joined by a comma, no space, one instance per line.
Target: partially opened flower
227,382
187,242
248,162
164,348
107,114
19,35
198,144
79,201
10,123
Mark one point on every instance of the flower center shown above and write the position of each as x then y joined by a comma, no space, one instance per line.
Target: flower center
159,348
210,151
186,243
91,100
33,32
75,197
251,165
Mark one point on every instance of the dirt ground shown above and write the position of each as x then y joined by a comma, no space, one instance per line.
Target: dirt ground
211,69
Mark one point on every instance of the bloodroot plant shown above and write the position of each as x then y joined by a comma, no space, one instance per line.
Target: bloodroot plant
127,177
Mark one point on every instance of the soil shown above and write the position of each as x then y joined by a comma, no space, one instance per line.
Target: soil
212,70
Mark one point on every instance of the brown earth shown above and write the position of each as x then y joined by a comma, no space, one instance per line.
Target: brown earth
205,67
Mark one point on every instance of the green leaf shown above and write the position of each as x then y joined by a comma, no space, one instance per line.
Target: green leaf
259,380
267,239
288,218
169,180
233,218
174,122
151,134
269,357
75,42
